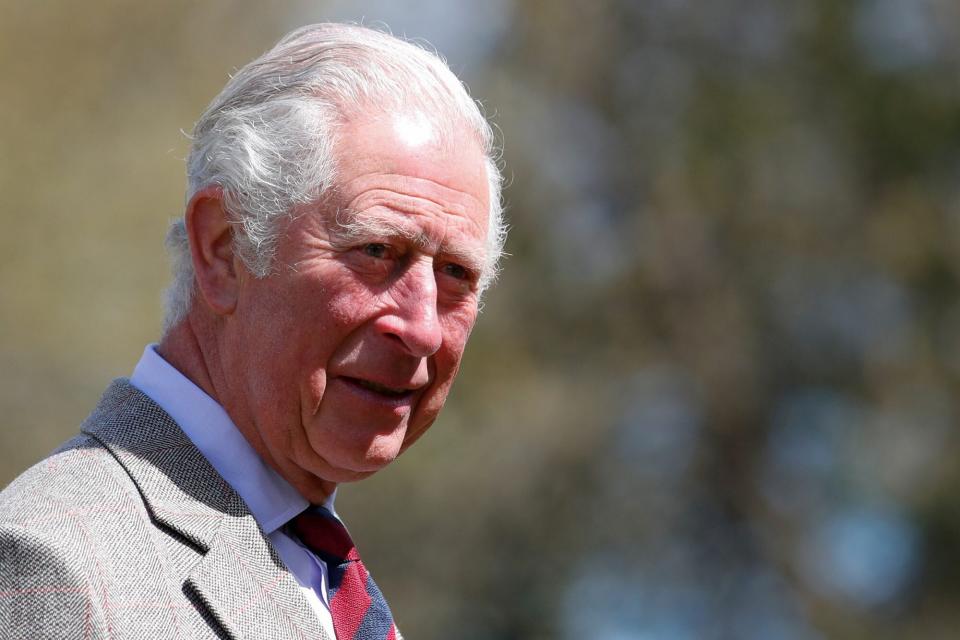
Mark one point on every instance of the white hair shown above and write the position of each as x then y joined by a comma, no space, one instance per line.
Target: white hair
267,140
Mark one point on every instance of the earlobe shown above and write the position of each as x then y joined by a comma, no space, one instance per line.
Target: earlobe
212,251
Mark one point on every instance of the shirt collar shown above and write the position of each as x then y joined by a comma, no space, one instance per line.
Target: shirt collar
271,499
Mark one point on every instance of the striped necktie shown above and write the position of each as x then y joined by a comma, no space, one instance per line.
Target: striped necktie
358,609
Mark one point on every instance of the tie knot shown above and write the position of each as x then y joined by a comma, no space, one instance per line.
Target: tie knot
324,534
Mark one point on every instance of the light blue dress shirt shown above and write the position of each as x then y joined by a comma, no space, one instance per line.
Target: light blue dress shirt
271,499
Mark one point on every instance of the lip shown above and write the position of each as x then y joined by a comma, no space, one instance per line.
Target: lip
354,386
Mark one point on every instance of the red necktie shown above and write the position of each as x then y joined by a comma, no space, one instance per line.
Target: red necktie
358,609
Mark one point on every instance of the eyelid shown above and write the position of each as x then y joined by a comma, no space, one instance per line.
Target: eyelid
397,248
465,261
391,251
471,275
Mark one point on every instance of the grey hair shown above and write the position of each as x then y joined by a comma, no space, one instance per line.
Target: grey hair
267,139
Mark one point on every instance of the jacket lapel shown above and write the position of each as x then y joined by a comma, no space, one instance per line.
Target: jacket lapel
239,577
241,581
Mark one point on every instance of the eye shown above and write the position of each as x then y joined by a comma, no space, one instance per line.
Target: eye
457,271
376,250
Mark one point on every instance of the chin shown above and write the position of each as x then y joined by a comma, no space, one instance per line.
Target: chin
348,466
377,457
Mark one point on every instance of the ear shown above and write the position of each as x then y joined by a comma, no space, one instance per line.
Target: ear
215,265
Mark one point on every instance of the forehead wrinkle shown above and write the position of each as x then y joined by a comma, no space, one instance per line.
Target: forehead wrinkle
409,190
415,204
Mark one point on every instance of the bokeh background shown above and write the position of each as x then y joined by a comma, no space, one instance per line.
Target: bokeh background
714,392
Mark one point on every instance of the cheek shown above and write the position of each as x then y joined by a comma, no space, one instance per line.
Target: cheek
351,303
456,330
457,326
311,393
329,321
323,311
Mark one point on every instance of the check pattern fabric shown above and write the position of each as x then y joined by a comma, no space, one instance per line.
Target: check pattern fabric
128,533
357,606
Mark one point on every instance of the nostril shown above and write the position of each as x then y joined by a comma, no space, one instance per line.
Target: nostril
395,338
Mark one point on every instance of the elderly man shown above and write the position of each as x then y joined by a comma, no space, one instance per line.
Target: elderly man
342,221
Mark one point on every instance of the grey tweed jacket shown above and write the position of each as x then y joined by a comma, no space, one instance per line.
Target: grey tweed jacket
127,531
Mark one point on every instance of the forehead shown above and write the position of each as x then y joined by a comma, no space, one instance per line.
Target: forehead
404,163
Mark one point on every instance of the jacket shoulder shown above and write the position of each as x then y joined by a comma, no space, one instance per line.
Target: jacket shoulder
79,476
48,580
43,590
77,538
111,526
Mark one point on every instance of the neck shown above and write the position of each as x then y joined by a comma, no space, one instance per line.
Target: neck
192,349
182,349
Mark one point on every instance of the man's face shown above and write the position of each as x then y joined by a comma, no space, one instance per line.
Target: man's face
345,354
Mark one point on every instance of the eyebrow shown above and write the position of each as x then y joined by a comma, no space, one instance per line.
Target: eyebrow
349,227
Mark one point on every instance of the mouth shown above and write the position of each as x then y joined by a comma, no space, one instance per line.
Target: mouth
376,387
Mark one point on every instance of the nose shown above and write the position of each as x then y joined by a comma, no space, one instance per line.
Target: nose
413,321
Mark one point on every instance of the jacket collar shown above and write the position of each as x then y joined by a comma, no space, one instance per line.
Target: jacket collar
239,577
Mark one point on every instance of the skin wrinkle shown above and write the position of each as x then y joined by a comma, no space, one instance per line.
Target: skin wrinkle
300,343
371,218
371,228
354,227
270,142
445,198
